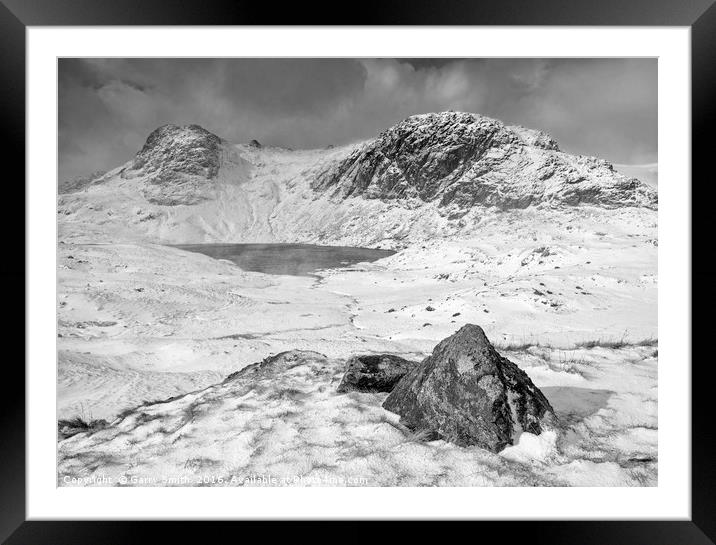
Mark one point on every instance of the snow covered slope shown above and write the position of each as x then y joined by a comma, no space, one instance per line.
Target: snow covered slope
282,418
428,176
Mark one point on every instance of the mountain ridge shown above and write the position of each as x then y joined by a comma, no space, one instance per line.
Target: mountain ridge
429,175
465,159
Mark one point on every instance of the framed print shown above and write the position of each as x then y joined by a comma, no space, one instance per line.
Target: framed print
433,265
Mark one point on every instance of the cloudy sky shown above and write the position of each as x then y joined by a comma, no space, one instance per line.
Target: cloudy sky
107,107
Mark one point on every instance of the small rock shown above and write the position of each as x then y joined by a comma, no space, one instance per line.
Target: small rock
429,308
374,373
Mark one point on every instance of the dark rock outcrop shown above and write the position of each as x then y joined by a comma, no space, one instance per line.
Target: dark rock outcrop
374,373
462,159
255,144
179,164
468,394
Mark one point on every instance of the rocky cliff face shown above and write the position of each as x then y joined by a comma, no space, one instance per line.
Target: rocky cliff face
178,163
463,160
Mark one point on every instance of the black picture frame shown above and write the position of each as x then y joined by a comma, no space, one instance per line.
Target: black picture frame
16,15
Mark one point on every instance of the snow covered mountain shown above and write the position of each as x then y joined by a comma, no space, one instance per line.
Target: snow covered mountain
463,160
430,175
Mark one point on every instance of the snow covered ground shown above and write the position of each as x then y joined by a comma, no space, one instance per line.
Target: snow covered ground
570,296
289,425
569,293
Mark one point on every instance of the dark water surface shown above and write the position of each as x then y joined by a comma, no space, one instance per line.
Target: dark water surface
293,259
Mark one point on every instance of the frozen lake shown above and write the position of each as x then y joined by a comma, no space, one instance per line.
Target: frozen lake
292,259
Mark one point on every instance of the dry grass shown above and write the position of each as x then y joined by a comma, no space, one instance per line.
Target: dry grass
620,342
614,342
73,426
83,422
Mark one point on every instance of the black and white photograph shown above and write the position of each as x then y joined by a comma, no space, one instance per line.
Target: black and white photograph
361,272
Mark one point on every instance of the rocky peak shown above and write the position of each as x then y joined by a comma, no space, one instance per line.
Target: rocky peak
465,392
463,159
177,162
188,148
464,128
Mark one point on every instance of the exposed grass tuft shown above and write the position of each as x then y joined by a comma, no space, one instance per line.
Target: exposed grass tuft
620,342
615,343
73,426
521,345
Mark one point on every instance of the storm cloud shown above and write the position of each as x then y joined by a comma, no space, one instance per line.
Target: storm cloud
107,107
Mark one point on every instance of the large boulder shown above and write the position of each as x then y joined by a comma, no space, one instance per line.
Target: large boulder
374,373
468,394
